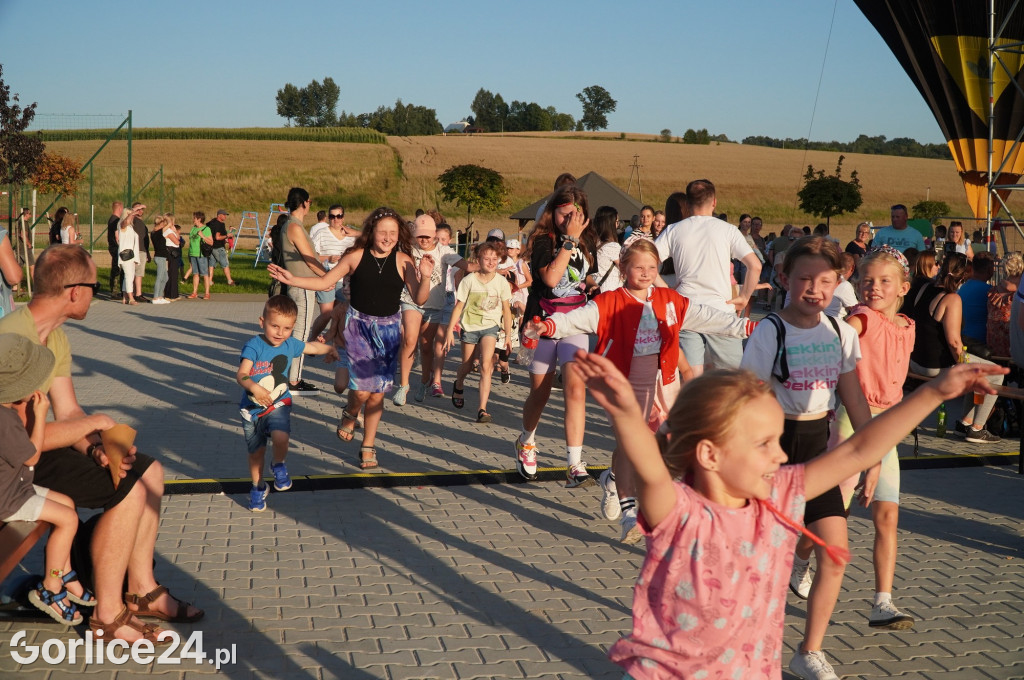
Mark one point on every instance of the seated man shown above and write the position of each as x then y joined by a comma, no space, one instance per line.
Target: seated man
73,461
974,294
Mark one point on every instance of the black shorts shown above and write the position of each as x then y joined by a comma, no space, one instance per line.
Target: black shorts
803,440
76,475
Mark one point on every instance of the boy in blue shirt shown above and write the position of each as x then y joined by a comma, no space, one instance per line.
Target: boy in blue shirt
266,404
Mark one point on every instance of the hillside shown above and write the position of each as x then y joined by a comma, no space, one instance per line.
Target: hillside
250,175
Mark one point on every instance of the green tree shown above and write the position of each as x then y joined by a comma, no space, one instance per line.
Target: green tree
597,104
666,135
829,195
476,187
20,153
692,136
288,103
312,106
929,210
489,110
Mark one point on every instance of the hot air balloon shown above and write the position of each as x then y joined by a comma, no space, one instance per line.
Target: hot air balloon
943,45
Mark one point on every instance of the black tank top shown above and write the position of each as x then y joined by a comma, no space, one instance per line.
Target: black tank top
375,286
930,347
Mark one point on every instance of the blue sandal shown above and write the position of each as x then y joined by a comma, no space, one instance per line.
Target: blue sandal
44,600
87,599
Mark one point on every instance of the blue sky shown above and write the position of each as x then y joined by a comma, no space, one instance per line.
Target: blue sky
739,67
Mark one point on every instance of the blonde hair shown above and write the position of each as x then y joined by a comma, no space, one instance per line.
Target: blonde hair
885,258
1013,264
638,247
162,221
707,408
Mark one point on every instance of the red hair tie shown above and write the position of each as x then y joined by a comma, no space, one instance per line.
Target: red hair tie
838,555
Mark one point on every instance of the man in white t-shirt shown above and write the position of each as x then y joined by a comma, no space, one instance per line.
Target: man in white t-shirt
702,247
899,235
321,224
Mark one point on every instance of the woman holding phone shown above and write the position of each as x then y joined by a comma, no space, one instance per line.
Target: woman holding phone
562,252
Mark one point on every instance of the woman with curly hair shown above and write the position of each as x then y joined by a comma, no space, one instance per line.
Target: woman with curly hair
379,265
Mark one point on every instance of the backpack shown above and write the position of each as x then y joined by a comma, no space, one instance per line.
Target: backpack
205,249
782,375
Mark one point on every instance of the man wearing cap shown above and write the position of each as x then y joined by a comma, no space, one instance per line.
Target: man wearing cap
220,239
74,462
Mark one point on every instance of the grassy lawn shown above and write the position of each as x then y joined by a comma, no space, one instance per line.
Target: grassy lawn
250,280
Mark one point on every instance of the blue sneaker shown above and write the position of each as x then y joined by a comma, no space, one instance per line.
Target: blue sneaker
258,498
282,482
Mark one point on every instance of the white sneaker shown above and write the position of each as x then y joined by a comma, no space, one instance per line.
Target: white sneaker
886,615
800,580
630,531
610,507
812,666
161,301
400,395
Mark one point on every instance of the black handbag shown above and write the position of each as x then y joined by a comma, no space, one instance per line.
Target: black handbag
126,254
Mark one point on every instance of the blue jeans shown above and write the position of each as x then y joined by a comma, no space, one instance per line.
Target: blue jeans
161,277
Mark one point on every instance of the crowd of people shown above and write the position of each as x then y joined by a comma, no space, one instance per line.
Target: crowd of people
732,508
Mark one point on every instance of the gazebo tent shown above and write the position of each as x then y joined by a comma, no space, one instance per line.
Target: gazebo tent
599,192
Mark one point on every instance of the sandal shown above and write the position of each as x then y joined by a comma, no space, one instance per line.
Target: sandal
367,457
149,632
482,416
193,296
143,602
45,600
345,433
457,399
206,297
87,599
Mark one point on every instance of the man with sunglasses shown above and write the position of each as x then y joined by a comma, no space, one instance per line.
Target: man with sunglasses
74,462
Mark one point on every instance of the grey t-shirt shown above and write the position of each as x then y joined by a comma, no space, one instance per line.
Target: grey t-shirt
15,477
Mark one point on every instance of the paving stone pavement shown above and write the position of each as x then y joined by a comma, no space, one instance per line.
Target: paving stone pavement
483,581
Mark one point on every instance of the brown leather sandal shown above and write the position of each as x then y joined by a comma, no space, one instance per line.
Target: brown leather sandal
125,619
143,602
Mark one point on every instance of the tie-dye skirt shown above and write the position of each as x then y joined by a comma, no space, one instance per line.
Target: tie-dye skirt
372,344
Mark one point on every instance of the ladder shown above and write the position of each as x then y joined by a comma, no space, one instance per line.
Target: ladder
252,216
263,252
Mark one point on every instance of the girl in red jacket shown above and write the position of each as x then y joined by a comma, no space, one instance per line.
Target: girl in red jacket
637,328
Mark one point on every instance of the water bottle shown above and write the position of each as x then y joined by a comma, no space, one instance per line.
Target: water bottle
528,344
940,427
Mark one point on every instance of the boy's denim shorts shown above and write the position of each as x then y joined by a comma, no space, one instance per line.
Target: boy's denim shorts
257,432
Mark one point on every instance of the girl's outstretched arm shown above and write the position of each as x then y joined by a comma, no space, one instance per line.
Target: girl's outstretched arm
869,444
612,390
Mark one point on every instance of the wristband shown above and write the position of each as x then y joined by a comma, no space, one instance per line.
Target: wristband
246,377
91,450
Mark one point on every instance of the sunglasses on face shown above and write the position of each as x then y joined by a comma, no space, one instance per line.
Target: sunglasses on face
95,286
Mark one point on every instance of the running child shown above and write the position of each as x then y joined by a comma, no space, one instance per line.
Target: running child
886,340
266,405
482,301
808,359
24,369
644,322
710,600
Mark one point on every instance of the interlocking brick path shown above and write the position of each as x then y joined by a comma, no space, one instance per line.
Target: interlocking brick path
489,581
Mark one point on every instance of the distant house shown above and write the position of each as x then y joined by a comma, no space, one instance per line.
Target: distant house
459,127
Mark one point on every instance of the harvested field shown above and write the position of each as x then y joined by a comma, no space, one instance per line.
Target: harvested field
249,175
